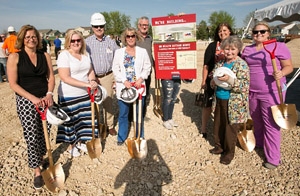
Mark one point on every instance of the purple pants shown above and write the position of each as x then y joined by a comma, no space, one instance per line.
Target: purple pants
267,132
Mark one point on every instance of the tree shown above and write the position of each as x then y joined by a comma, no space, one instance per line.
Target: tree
248,17
115,22
220,17
202,30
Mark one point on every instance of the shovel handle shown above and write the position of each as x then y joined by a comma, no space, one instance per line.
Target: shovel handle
43,111
92,93
272,55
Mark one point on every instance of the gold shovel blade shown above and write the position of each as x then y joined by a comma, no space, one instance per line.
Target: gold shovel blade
140,149
130,145
94,148
285,115
54,178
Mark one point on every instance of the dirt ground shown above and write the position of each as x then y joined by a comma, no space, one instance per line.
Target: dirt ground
178,162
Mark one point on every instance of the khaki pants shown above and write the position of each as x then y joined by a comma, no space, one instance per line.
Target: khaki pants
107,82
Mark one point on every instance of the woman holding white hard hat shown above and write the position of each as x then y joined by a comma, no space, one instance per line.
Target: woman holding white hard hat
231,82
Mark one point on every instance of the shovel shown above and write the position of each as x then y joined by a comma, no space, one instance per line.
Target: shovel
157,100
137,147
285,115
53,176
101,127
246,136
94,145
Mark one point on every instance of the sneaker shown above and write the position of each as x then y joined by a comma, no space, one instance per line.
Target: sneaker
173,123
74,152
120,143
167,125
38,182
270,166
82,147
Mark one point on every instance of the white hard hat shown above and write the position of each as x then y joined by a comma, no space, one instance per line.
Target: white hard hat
97,19
11,29
220,72
100,95
56,116
129,95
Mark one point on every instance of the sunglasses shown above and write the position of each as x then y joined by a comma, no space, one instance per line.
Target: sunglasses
75,40
97,26
260,31
130,36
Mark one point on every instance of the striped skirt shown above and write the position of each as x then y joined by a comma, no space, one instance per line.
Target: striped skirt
79,128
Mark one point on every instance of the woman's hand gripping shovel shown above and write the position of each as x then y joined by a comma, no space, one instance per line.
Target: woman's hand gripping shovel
53,176
137,147
94,145
285,115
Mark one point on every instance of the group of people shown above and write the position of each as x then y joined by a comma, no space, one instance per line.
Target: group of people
98,60
250,94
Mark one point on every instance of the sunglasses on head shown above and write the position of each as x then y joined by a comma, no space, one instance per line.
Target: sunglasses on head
260,31
97,26
130,36
75,40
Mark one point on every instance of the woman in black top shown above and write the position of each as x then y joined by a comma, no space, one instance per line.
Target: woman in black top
31,77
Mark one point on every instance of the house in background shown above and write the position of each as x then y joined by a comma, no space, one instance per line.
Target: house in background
295,30
86,31
282,29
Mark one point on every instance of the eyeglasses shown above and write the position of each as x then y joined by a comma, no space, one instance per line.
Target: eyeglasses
75,40
97,26
260,31
30,37
144,25
130,36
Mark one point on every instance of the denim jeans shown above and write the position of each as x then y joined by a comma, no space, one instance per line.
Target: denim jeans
124,122
170,89
3,62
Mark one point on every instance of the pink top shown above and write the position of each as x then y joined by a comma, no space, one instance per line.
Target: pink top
260,66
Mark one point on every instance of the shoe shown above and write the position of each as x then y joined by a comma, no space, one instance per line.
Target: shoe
120,143
112,131
167,125
204,135
45,164
216,150
147,119
81,147
38,182
270,166
225,161
173,123
74,152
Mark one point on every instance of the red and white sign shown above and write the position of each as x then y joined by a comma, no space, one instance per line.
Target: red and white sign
175,50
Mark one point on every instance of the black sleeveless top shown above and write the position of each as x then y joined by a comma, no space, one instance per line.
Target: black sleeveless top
33,78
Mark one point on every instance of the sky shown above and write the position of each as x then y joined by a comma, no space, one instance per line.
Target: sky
64,14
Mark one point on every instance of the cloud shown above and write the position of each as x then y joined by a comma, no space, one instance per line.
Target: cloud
252,2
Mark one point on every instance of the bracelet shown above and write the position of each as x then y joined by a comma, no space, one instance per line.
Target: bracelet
93,80
49,93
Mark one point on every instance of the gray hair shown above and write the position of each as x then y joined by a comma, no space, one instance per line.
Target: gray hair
232,40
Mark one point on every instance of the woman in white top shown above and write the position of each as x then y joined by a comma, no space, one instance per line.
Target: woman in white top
76,74
131,66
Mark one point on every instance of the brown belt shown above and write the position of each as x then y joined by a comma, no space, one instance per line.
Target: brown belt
102,75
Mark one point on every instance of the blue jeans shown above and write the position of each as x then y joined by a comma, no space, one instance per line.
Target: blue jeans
170,89
3,62
124,122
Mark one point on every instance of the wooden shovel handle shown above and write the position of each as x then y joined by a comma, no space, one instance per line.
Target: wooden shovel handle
272,55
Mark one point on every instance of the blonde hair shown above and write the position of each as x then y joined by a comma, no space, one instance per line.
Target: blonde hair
128,30
264,24
68,38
